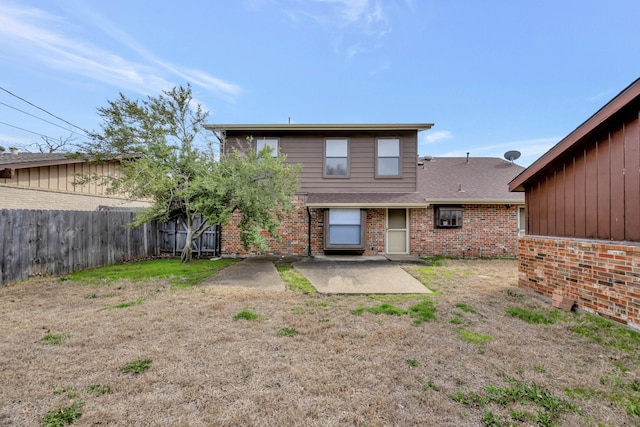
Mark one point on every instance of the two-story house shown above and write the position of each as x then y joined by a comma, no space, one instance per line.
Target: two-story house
358,186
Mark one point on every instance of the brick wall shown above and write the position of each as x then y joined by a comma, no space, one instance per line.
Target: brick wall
487,231
294,233
603,277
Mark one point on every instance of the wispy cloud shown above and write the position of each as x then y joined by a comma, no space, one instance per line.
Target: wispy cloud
432,137
356,25
35,35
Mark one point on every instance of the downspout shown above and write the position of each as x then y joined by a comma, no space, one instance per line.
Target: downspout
308,232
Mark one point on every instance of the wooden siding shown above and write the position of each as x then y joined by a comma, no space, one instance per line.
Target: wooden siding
594,191
61,177
308,151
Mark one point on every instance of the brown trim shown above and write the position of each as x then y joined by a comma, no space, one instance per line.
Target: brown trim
319,127
363,234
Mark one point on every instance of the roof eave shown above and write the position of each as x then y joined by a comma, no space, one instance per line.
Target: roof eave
475,201
324,127
366,205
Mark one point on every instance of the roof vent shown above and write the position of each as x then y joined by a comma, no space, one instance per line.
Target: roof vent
14,150
512,155
460,190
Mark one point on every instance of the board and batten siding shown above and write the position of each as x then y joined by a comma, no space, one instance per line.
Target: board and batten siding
595,191
308,150
61,177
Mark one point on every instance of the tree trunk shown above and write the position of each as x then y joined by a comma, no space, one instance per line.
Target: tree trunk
187,251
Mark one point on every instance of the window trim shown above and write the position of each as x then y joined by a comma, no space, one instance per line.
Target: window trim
522,222
363,233
275,152
437,220
377,157
324,159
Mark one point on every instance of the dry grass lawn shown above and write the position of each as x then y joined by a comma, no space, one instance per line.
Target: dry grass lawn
307,360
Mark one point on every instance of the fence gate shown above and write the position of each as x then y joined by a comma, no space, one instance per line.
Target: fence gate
173,237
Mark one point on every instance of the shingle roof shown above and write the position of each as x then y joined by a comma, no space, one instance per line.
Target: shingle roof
14,159
479,180
364,200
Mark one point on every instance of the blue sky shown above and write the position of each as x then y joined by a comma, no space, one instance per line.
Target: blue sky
492,75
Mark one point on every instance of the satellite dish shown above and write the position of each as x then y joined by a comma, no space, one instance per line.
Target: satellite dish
512,155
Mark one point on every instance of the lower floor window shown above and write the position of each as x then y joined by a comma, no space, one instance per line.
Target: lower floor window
448,217
344,229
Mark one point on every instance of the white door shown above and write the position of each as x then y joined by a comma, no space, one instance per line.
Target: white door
397,231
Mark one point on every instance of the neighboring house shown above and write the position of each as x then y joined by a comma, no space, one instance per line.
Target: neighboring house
45,181
471,211
358,187
583,214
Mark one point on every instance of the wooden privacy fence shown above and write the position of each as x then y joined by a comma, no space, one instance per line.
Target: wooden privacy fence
173,237
52,242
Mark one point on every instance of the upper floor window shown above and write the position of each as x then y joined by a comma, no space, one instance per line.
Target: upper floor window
448,217
336,158
388,157
268,142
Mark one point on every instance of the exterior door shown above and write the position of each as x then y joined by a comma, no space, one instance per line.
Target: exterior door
397,231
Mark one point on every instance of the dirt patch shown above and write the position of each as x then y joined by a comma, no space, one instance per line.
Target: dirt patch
338,368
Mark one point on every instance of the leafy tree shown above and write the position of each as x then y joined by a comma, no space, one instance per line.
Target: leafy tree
166,159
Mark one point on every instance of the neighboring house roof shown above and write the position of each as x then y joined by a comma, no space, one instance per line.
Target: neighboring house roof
322,127
10,162
628,99
473,180
365,200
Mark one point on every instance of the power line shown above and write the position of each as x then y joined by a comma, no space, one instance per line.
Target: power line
42,109
40,118
26,130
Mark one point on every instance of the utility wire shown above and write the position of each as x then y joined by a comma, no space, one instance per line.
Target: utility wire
42,109
40,118
26,130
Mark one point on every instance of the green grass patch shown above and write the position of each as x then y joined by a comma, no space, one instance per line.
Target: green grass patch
181,275
294,280
136,367
424,311
62,416
98,390
387,308
246,315
608,333
459,319
413,362
536,317
473,337
287,332
55,339
466,308
547,406
125,304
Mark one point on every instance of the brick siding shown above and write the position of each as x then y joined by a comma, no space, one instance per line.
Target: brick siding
487,231
603,277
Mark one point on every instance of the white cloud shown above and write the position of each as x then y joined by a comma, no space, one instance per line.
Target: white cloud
39,36
432,137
